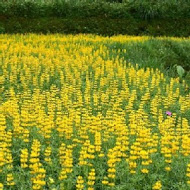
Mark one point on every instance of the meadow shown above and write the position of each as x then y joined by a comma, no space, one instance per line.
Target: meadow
77,113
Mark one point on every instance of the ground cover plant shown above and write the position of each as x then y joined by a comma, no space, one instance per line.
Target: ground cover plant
76,113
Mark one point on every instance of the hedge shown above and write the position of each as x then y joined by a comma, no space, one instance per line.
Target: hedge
135,17
101,26
146,9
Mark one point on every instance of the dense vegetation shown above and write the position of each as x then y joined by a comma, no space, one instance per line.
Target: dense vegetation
171,18
95,112
67,9
161,53
77,114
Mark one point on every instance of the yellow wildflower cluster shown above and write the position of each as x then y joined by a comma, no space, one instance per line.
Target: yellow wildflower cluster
36,170
72,108
1,186
24,158
91,179
80,183
157,186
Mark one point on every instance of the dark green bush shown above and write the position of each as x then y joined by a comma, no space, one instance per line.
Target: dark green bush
146,9
133,17
60,9
27,10
97,25
2,30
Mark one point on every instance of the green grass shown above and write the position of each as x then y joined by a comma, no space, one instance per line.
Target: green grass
163,54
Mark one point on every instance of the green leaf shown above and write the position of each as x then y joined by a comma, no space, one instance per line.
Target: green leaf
180,71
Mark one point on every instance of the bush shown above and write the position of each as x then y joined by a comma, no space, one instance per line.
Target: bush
147,9
97,25
133,17
2,30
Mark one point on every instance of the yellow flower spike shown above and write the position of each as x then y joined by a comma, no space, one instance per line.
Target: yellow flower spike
105,182
157,186
1,186
10,179
80,183
24,158
132,171
145,171
168,168
111,184
51,180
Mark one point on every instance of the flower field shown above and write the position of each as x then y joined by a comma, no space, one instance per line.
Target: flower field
72,116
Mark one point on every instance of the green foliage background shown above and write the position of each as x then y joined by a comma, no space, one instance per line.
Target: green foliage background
146,9
132,17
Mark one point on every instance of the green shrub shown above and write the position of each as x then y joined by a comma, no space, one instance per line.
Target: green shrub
2,30
97,25
132,17
146,9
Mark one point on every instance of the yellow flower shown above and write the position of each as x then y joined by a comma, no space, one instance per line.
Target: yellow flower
132,171
105,182
111,184
144,171
90,188
80,183
168,168
1,186
157,186
51,180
